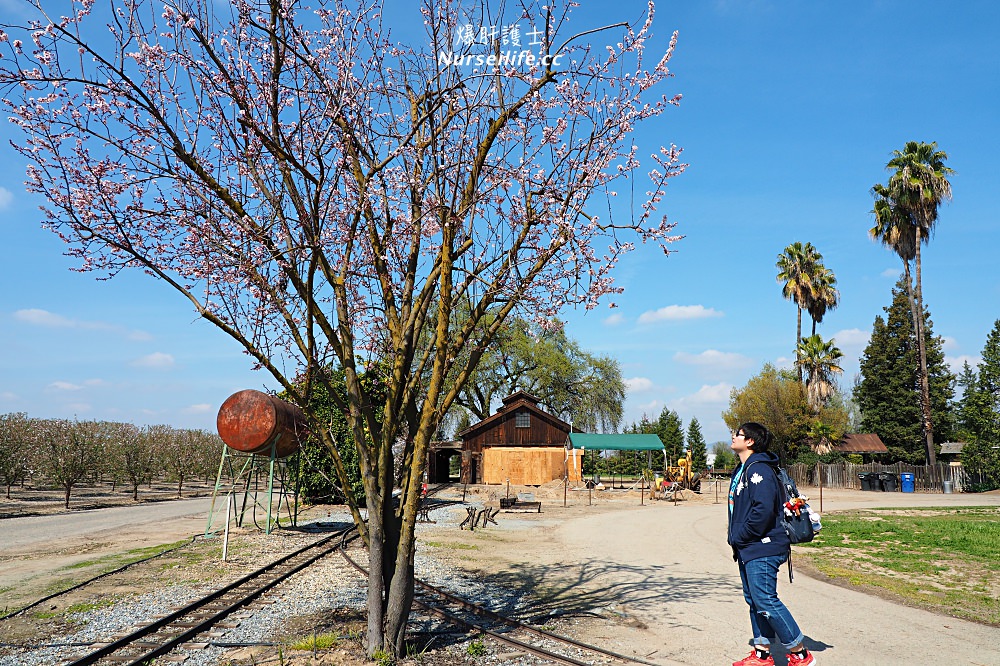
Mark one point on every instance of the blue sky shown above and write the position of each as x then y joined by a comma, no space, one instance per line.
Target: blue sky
790,112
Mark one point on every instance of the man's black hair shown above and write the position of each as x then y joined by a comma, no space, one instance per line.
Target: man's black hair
759,434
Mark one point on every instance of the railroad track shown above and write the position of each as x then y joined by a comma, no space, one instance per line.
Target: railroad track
465,605
184,625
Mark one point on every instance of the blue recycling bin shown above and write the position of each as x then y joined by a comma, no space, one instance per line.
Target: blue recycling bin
906,482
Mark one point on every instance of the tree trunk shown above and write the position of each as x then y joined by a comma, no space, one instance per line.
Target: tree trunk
68,487
798,339
180,483
925,391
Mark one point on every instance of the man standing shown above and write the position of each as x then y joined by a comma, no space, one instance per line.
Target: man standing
760,546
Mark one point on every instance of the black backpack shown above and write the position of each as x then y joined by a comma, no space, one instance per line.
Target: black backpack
794,515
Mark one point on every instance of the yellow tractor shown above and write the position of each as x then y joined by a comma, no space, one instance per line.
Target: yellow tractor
680,477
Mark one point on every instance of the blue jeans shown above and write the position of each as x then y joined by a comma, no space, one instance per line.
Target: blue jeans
769,618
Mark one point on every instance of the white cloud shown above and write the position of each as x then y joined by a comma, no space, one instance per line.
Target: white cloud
6,197
614,320
43,318
638,384
714,359
956,362
8,396
949,343
157,360
39,317
851,337
893,273
65,386
784,363
678,313
707,396
651,409
201,408
80,407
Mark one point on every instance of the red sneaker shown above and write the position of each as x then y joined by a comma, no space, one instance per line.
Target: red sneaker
753,660
806,660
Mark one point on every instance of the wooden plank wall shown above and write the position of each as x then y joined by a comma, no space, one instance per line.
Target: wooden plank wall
845,475
528,466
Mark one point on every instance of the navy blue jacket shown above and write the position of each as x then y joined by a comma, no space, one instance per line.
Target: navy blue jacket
755,520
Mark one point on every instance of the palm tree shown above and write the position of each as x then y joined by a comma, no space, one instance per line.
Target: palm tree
906,211
796,268
819,360
825,296
820,435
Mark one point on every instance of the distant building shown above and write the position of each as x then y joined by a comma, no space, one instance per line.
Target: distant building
520,443
869,443
951,452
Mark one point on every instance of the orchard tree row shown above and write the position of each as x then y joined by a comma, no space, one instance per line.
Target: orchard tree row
64,453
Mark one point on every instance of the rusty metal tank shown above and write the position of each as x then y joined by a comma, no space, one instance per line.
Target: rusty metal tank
250,421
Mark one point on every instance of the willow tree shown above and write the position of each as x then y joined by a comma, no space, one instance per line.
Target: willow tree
327,197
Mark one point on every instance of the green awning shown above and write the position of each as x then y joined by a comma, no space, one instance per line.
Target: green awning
581,440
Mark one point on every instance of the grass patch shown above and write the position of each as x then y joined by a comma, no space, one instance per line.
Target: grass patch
89,606
942,559
317,642
115,560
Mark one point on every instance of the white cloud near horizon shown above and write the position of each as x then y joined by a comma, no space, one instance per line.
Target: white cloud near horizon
39,317
715,360
851,339
891,273
65,386
157,360
956,362
707,396
678,313
6,197
201,408
638,384
613,320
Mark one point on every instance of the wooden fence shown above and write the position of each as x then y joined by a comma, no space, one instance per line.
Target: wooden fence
926,478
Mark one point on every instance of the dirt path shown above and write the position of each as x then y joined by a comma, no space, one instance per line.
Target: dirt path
659,581
37,552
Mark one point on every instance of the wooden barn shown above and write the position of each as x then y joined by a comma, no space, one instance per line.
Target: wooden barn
520,443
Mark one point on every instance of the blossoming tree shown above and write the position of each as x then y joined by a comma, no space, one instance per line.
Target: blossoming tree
327,196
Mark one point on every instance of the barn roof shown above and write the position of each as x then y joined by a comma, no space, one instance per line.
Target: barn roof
861,443
513,402
581,440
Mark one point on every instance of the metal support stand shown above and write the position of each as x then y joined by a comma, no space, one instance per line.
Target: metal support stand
242,473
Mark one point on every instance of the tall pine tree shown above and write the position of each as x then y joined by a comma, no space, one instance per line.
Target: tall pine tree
696,445
888,390
670,428
979,414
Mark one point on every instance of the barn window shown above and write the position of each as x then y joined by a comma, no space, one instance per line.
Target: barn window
522,420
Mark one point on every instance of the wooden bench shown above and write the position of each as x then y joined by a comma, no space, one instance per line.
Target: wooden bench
515,505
